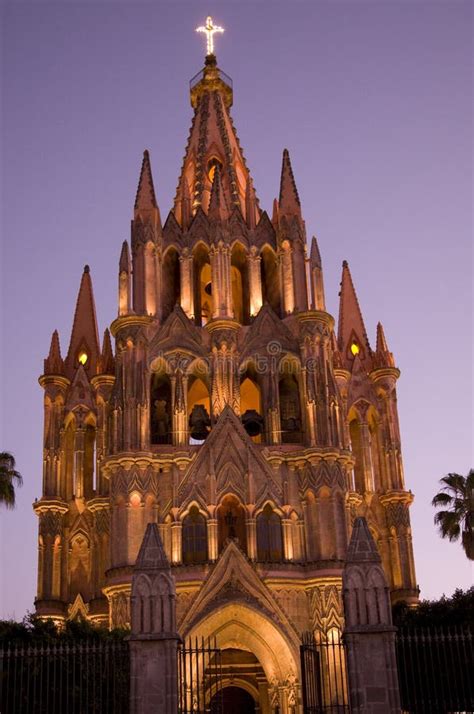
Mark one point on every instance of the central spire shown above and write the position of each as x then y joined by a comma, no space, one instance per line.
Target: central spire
213,148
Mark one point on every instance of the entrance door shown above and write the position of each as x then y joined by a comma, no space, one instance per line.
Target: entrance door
235,701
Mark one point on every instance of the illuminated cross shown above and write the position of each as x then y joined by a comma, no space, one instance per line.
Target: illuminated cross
209,28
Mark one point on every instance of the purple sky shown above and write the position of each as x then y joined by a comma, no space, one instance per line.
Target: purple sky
374,102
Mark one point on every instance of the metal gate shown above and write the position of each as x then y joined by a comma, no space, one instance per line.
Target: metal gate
324,675
199,677
62,676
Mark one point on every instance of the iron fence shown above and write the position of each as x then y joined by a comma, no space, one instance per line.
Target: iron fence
435,671
199,677
64,678
324,675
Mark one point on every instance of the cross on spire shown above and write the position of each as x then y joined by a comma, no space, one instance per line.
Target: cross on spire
210,29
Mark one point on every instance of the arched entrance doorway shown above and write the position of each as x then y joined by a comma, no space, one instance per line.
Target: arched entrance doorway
257,656
235,700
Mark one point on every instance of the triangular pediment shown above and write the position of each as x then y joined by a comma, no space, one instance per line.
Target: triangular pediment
360,385
264,232
199,228
151,555
177,333
172,232
80,392
228,462
268,328
233,578
237,224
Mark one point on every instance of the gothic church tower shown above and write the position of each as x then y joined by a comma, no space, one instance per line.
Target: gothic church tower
232,413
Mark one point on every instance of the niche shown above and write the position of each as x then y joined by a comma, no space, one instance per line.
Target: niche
269,535
231,523
171,281
290,410
160,409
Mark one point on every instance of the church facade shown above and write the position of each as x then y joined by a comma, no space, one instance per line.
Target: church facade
232,411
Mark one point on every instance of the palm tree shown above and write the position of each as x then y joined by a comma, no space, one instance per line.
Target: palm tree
457,495
9,477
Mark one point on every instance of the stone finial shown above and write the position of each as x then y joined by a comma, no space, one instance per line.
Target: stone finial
53,363
145,199
289,200
383,356
315,255
151,555
362,548
107,361
124,263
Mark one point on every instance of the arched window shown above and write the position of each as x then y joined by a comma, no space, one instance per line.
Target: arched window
160,409
270,279
171,281
202,285
194,537
269,535
251,404
290,411
69,440
231,522
356,447
89,461
199,406
240,287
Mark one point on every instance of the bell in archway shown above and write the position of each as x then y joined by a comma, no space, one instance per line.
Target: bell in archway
252,422
199,422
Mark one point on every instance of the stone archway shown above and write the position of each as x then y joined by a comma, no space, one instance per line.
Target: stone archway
235,700
241,628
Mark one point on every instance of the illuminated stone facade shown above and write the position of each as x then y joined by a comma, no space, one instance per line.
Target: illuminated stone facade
232,413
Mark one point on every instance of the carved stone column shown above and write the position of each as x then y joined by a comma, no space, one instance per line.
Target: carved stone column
186,273
287,525
287,278
154,639
251,524
369,633
255,281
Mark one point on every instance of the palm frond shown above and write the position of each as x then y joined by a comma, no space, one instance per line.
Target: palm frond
441,499
449,524
7,493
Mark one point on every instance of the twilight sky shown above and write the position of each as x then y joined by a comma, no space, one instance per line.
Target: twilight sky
374,102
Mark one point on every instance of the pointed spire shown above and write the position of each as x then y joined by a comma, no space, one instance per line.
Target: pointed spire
381,341
145,199
151,555
124,280
352,335
362,548
384,358
84,343
289,201
315,255
318,301
53,363
217,204
107,362
124,264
